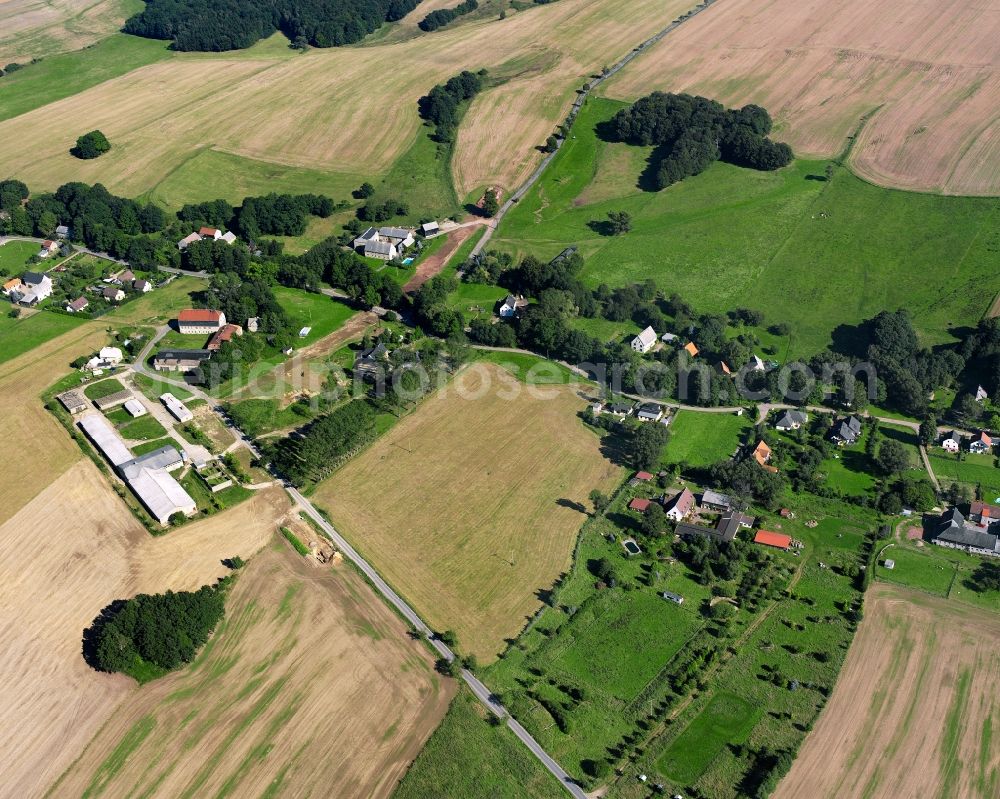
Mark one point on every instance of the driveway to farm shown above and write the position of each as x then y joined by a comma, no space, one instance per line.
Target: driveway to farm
434,263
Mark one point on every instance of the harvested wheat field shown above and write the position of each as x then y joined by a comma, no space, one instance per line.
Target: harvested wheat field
915,708
309,687
931,69
30,28
471,506
304,111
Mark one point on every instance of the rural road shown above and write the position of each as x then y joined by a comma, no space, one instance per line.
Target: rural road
571,118
483,694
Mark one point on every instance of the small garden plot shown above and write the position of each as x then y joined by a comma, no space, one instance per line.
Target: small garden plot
622,640
145,428
104,388
727,719
701,439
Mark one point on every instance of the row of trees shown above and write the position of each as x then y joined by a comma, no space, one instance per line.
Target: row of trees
692,132
270,215
440,106
218,25
441,17
315,450
164,630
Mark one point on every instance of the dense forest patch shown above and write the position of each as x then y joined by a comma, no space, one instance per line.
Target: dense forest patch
215,25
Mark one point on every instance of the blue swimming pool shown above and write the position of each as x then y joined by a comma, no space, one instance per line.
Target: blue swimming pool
407,261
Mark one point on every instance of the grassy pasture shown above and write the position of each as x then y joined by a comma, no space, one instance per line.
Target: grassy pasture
971,471
317,311
726,719
702,439
813,253
531,369
469,533
18,336
14,257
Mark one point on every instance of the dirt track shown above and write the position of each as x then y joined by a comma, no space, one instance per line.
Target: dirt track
434,263
911,710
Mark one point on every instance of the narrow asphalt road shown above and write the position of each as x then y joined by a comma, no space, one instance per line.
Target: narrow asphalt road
478,688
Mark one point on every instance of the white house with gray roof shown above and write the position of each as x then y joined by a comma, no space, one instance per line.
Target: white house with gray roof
645,341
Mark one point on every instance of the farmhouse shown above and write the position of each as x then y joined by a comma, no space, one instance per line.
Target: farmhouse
48,247
643,477
12,285
509,306
371,234
645,341
649,412
981,443
724,531
79,304
73,401
382,250
951,442
846,432
769,539
113,400
180,360
222,335
681,505
400,236
200,321
189,239
177,408
113,294
35,288
955,531
791,420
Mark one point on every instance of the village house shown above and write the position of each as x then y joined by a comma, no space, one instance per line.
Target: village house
209,233
382,250
618,409
12,285
846,432
791,420
509,306
35,287
48,248
981,394
645,341
62,232
79,304
691,349
253,324
981,443
400,236
649,412
142,286
188,240
951,441
713,500
229,237
385,243
681,505
200,321
113,294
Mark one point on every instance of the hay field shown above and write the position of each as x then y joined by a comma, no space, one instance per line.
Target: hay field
344,704
466,506
65,555
336,110
30,28
932,70
915,708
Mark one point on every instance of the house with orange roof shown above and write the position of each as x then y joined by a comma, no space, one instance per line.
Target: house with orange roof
691,349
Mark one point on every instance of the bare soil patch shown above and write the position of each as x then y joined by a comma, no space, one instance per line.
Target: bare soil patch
930,69
914,707
309,687
434,263
453,509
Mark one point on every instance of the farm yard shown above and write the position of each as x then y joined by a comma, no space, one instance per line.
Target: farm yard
789,243
154,117
927,74
261,707
917,663
471,534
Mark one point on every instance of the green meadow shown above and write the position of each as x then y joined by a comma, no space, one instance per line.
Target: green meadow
701,439
812,252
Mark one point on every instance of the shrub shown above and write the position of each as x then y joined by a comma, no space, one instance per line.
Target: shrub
91,145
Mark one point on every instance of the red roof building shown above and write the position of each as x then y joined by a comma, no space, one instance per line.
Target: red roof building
769,539
639,504
223,334
644,476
